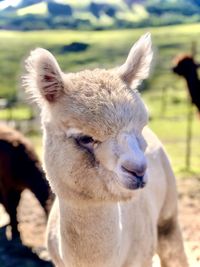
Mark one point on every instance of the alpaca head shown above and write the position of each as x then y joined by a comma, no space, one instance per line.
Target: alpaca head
184,65
92,122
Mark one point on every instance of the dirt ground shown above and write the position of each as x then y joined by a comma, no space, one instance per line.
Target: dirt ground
31,252
189,214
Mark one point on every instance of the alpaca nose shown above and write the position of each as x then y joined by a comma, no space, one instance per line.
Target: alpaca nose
138,171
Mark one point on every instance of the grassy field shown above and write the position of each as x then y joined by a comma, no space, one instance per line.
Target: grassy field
164,93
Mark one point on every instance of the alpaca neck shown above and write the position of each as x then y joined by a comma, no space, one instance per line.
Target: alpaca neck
192,79
90,234
194,88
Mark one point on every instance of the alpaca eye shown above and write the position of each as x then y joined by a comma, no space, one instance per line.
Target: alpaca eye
86,141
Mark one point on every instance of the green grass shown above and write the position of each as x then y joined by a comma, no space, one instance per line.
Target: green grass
107,49
171,127
16,113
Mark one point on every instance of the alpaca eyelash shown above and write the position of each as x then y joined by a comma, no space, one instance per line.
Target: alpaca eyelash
86,142
78,137
87,146
85,139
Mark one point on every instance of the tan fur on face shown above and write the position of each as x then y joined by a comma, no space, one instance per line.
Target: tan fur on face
100,104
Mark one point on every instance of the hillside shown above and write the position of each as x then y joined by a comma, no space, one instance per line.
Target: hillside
97,14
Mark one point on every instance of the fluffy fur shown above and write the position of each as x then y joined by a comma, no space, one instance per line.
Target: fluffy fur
102,216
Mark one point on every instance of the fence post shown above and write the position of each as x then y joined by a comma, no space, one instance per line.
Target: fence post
189,136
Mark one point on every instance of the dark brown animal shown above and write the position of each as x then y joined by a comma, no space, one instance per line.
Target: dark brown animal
19,169
186,66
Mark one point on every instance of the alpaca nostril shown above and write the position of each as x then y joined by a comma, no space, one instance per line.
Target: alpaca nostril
129,171
138,172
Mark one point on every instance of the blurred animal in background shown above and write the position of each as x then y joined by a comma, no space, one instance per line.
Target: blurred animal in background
186,66
19,169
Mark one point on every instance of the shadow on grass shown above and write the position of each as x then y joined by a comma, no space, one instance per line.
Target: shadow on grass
14,254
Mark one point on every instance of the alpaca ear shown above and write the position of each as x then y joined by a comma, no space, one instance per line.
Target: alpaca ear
137,65
44,77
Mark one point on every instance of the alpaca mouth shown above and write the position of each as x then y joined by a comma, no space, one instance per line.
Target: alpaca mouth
134,181
136,185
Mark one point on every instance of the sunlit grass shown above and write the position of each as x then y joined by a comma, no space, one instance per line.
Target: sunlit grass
170,124
16,113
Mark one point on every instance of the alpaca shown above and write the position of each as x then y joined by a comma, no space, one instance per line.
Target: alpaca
185,66
19,169
98,153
